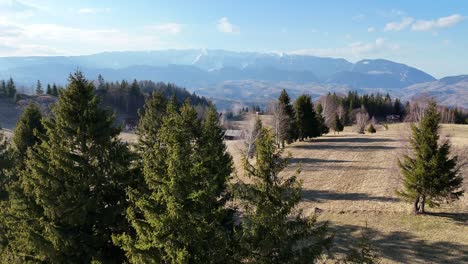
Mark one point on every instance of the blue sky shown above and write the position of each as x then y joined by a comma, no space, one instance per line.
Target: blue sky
430,35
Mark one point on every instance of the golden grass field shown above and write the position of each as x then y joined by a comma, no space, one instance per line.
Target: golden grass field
352,179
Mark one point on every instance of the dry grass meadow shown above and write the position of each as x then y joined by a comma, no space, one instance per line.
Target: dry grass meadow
352,179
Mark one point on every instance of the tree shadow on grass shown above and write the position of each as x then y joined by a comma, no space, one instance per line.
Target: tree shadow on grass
461,218
319,196
401,247
312,160
313,146
352,140
324,164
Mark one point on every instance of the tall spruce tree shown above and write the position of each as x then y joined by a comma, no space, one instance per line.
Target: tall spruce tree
55,90
3,88
49,89
151,118
430,174
39,90
285,103
306,120
5,165
11,88
72,194
272,230
324,129
179,216
28,129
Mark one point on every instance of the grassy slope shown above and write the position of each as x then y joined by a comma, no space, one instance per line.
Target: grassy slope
353,179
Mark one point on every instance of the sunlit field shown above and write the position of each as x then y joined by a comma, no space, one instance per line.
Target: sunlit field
351,180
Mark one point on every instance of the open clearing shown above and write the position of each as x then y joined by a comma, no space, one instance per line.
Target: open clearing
352,179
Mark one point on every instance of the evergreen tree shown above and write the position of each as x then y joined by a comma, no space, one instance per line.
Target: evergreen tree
430,175
306,120
271,230
11,88
321,120
3,88
72,195
151,118
39,90
179,216
28,128
55,90
362,251
49,89
285,102
337,125
5,165
134,89
371,129
101,83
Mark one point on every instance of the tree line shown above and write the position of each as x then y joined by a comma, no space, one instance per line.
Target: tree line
128,98
379,106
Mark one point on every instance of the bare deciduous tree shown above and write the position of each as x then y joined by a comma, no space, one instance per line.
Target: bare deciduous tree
251,134
362,118
281,123
329,109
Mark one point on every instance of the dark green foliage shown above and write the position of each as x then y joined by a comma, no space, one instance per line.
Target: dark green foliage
71,196
10,88
362,251
28,128
6,163
272,230
151,118
324,129
55,90
371,129
3,88
306,120
430,174
337,125
39,90
290,122
49,89
179,215
129,98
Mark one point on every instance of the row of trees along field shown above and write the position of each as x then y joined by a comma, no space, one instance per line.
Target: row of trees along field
295,121
380,106
72,192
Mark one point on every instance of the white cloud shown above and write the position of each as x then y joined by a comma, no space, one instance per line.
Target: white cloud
91,11
397,26
370,29
18,39
355,50
166,28
443,22
226,27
